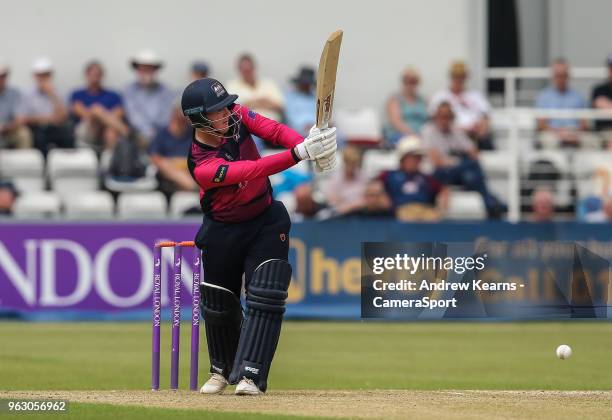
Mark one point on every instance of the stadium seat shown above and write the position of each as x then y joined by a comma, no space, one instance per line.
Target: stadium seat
25,167
585,163
89,205
37,205
465,205
361,126
535,164
72,170
377,161
142,205
182,201
146,183
495,164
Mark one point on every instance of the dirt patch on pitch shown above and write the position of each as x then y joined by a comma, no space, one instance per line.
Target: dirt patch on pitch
363,404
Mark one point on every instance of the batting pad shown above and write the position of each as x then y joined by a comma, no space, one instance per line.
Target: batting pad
265,301
222,315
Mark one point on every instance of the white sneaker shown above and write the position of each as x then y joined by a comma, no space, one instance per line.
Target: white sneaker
215,385
247,387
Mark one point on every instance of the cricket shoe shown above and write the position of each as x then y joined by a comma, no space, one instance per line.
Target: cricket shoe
215,385
247,387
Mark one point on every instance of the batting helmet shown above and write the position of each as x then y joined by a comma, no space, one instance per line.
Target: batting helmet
203,96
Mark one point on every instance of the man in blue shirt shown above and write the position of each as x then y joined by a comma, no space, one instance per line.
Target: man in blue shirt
300,102
98,111
559,95
169,149
148,102
414,195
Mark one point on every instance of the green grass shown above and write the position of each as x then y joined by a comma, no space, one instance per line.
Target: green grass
314,355
39,356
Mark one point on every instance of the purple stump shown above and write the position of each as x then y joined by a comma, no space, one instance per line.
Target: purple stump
156,317
195,320
176,316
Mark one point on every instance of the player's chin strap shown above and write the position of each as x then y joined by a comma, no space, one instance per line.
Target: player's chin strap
207,126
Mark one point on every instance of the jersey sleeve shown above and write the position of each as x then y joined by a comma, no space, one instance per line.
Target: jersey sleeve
270,130
218,172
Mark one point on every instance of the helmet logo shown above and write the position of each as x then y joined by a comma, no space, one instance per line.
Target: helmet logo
218,89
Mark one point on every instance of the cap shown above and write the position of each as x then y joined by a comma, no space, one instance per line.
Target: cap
147,58
458,68
42,65
306,76
200,67
409,145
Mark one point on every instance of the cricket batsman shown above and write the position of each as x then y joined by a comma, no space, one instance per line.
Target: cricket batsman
245,232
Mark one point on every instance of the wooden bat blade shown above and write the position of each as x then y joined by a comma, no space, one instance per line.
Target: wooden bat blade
326,78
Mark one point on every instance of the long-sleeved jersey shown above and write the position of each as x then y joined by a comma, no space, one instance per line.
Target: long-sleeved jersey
233,177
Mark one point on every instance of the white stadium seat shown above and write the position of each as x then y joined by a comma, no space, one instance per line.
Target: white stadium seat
585,163
142,205
377,161
89,205
25,167
181,201
72,170
359,125
495,164
465,205
37,205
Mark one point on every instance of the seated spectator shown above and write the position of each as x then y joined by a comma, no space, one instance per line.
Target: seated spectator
12,133
604,215
563,132
414,195
455,157
98,111
148,102
345,189
168,151
44,111
261,95
543,205
470,107
376,202
406,110
8,194
300,102
199,70
601,98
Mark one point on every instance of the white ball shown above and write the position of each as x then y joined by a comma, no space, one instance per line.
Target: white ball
564,351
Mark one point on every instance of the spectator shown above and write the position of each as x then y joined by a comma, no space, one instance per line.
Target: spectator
44,111
199,70
469,106
604,215
601,98
300,102
376,202
414,195
406,110
261,95
543,204
98,111
560,131
148,102
455,157
168,151
345,189
12,133
8,194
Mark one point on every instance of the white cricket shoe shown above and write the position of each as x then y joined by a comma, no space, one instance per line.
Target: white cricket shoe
215,385
247,387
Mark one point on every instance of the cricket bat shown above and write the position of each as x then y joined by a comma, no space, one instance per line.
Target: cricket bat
326,78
